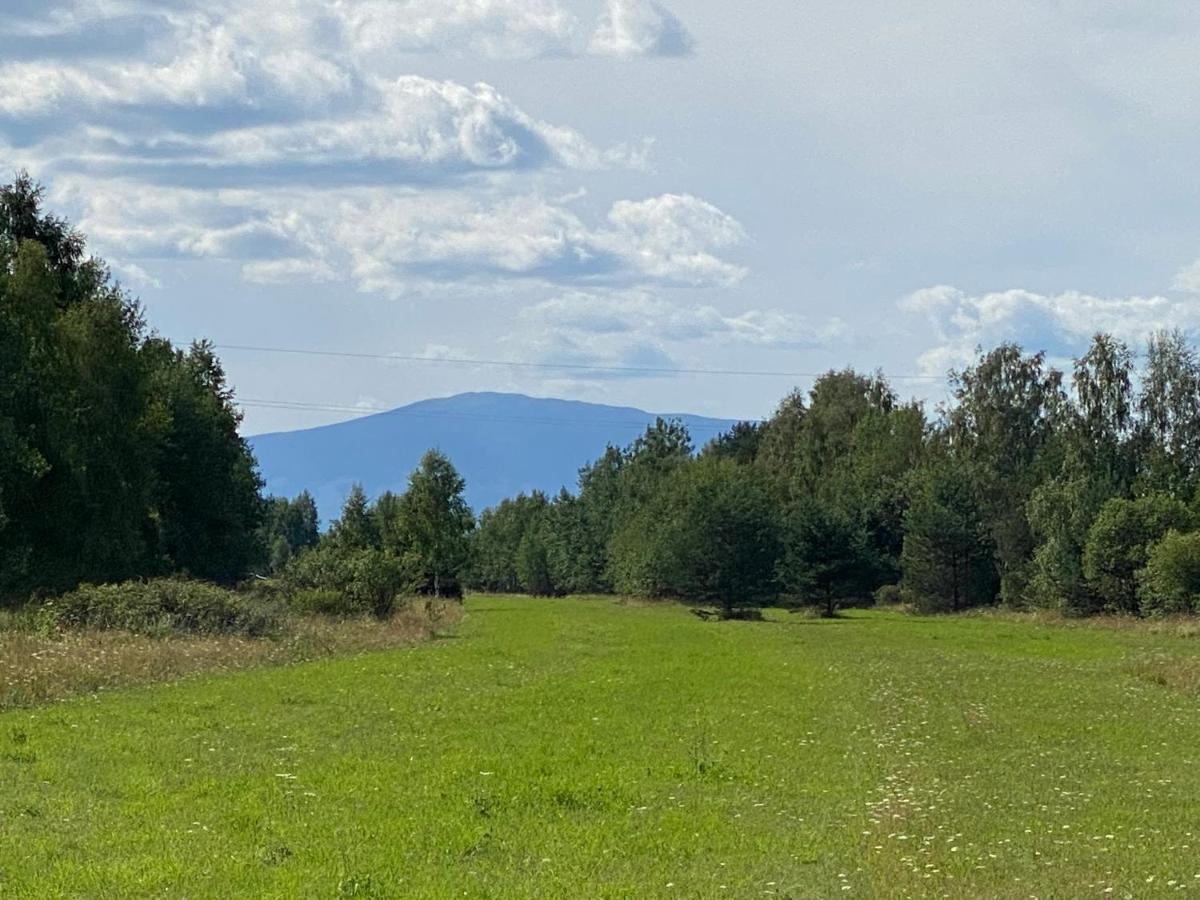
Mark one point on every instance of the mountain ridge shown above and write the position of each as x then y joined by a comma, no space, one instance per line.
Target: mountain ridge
502,443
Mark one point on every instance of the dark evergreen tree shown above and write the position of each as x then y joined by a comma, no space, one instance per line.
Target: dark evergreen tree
826,559
946,564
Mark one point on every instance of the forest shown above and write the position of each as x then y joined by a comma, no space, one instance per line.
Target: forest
1073,489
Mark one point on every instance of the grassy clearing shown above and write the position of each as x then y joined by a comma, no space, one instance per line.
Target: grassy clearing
36,667
568,748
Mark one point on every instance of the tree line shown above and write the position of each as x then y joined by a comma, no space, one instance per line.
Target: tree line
120,459
1033,488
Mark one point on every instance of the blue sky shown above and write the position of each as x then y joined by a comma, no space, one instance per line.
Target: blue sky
773,186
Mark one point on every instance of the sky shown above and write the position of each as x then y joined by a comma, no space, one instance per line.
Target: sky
616,193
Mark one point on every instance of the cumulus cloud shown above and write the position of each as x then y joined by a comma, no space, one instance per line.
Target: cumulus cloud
424,126
1059,323
385,239
639,28
672,237
306,54
667,239
202,62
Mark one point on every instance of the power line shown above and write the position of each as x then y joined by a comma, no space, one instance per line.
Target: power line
450,360
529,420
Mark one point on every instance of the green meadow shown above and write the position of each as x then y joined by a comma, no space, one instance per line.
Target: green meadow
588,748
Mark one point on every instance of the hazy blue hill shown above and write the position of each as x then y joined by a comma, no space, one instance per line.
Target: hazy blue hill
502,444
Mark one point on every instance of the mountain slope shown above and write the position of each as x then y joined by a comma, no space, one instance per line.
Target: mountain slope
501,443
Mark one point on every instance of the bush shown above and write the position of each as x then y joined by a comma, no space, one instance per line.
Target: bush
162,607
1170,581
323,602
338,581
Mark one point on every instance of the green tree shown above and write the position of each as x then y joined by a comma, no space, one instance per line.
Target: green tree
1169,416
209,502
119,456
357,528
289,526
439,524
496,542
946,564
533,564
776,452
740,443
710,535
1005,421
826,559
1119,541
1170,581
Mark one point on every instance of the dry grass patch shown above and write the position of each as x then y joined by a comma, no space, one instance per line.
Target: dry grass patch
1171,626
1179,673
37,668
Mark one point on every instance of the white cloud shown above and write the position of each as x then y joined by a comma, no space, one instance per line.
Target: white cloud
588,315
1059,323
639,28
287,270
668,239
636,333
387,240
412,120
204,63
672,237
1187,279
495,29
133,274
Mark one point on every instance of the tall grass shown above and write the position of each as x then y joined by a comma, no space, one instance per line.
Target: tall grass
38,665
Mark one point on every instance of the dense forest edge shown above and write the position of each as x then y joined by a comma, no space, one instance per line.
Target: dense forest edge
128,499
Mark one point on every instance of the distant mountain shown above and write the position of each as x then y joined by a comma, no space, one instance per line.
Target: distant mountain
501,443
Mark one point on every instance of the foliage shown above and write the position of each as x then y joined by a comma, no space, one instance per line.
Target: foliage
1170,580
497,540
947,562
377,553
162,606
533,564
119,454
1119,541
1004,424
437,525
825,559
289,526
338,580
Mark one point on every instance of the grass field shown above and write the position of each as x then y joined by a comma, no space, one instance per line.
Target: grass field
582,748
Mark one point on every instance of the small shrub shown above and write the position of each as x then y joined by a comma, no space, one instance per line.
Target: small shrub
162,607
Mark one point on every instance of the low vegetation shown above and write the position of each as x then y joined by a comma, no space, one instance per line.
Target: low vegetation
46,657
878,754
